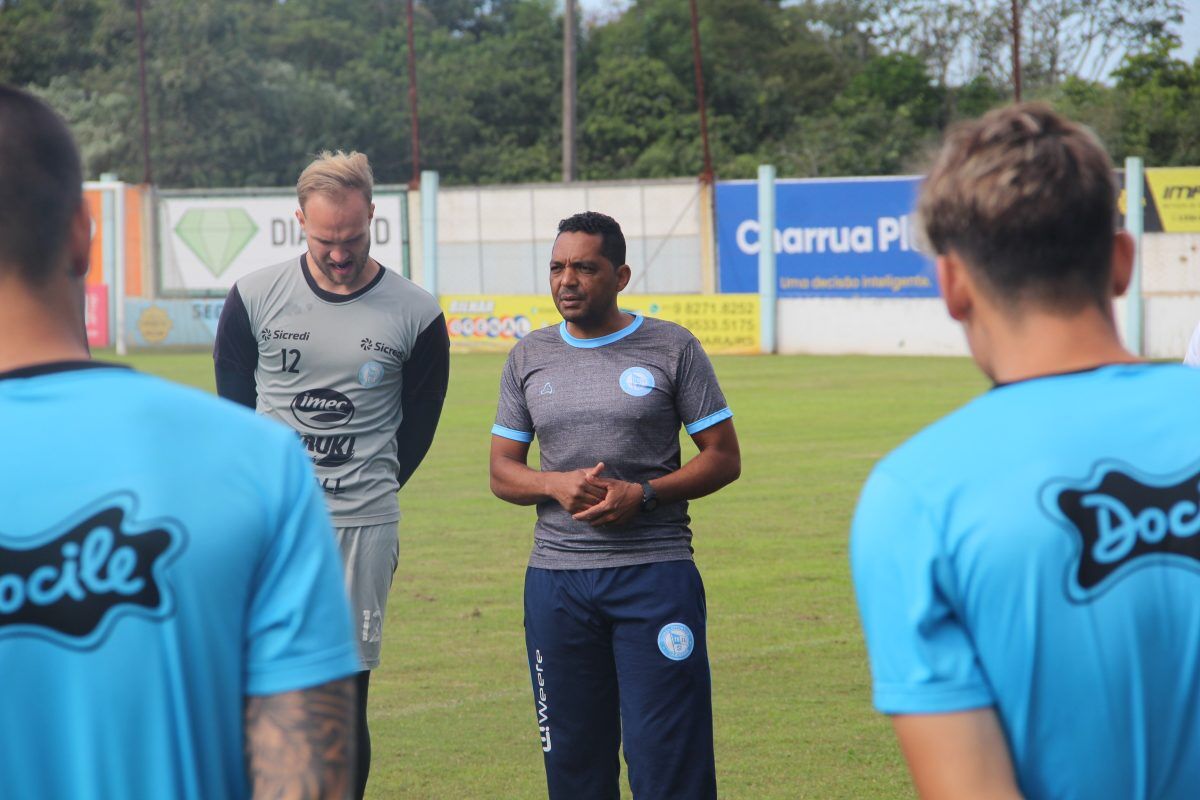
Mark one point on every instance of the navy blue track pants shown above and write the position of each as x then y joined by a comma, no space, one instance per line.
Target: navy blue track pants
621,653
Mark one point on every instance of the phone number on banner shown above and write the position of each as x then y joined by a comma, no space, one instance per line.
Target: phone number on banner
722,323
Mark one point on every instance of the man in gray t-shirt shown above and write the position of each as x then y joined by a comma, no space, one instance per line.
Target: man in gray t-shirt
614,607
355,359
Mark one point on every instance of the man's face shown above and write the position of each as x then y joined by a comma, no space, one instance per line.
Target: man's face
338,229
583,283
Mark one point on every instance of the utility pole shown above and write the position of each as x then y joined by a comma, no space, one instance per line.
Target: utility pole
707,175
147,173
568,101
1016,49
415,181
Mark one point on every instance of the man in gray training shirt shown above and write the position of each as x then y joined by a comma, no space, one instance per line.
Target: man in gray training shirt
614,607
353,357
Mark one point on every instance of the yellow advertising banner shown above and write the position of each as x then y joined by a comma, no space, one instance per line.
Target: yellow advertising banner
1176,193
724,323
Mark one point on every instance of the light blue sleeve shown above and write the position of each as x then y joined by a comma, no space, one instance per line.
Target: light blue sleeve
512,412
299,630
698,397
922,658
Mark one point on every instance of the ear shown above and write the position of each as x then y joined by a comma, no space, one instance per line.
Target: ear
79,241
1122,262
371,212
623,275
300,216
955,285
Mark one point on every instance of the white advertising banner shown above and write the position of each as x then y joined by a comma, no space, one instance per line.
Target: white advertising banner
208,242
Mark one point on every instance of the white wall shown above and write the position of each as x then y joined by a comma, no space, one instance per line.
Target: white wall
1171,289
498,239
920,326
869,326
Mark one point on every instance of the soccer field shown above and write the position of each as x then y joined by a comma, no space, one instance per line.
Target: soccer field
452,710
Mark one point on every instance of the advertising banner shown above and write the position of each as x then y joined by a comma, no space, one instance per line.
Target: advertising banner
172,323
1172,200
210,242
724,323
833,238
95,315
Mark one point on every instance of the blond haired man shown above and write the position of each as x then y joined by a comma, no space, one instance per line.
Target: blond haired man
1028,568
353,357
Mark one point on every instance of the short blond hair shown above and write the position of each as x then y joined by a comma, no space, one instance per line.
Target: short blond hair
1027,198
330,173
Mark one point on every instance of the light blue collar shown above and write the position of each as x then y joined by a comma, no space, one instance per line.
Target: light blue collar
600,341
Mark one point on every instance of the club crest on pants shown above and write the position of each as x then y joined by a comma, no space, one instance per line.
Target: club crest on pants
675,641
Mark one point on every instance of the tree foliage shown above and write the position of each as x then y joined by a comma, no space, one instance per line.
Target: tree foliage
244,92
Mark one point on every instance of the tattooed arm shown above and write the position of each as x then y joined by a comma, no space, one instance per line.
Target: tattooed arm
300,745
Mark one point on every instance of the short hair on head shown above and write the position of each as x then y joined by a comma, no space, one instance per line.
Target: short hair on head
1027,199
612,241
41,185
330,173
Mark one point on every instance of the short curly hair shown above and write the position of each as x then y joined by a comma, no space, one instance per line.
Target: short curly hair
612,241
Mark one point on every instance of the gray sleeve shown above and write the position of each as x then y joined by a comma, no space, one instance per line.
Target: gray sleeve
698,396
512,415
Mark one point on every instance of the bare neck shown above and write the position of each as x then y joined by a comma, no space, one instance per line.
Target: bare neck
612,321
1038,343
40,325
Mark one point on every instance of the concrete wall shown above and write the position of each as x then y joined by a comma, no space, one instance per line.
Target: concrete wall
1170,297
836,325
498,239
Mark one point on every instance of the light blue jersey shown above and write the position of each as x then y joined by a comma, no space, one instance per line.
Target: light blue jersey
1039,551
163,554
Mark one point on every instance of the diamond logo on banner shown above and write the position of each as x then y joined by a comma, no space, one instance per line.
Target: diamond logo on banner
216,235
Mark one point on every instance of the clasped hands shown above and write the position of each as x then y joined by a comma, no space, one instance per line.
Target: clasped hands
596,500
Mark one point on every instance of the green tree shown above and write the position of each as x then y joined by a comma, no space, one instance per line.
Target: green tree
630,105
1158,104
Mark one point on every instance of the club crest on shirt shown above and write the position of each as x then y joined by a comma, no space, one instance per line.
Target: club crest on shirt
76,579
1123,521
637,381
370,374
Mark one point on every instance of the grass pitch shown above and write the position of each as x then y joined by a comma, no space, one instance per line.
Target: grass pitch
452,714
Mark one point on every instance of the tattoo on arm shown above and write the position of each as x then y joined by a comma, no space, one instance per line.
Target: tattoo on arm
301,744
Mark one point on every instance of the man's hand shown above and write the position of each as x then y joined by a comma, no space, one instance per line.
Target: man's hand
577,490
621,503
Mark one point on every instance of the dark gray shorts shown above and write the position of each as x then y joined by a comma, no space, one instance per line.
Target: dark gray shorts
369,554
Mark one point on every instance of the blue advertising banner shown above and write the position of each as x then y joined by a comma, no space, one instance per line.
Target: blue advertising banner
171,323
834,238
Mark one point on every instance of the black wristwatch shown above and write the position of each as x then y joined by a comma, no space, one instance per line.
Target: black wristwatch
649,498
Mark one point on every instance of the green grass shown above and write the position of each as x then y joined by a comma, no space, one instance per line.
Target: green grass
451,708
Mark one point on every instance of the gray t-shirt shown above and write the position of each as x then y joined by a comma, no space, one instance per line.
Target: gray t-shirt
334,368
619,399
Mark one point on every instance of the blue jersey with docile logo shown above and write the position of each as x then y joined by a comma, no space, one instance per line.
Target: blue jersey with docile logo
163,554
1038,552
